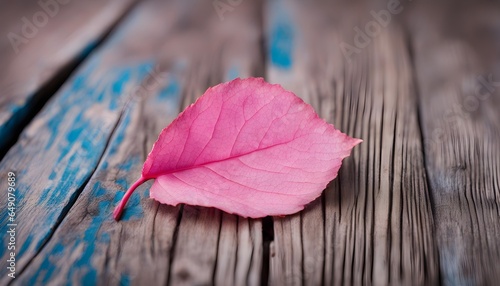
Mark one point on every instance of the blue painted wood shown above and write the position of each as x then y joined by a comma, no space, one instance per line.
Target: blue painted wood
88,228
281,49
281,34
59,151
109,252
35,66
76,159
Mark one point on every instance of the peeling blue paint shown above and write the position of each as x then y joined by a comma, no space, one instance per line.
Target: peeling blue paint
20,111
52,175
122,182
232,73
92,144
281,36
47,268
119,136
82,132
124,280
91,141
82,268
119,84
172,90
26,244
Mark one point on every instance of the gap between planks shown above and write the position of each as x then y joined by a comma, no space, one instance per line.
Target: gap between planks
20,118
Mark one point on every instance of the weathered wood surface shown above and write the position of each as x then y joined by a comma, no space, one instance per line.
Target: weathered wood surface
87,247
417,203
41,42
59,151
374,224
229,248
457,63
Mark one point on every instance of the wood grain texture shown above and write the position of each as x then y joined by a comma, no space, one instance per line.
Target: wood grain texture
59,151
374,223
214,247
458,70
89,247
40,45
417,203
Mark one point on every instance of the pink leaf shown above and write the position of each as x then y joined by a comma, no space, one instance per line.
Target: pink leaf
246,147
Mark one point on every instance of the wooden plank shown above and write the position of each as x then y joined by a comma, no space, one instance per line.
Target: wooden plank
458,68
214,247
108,252
373,224
42,41
138,248
60,149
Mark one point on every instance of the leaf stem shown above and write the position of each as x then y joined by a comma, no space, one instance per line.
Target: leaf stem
117,213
